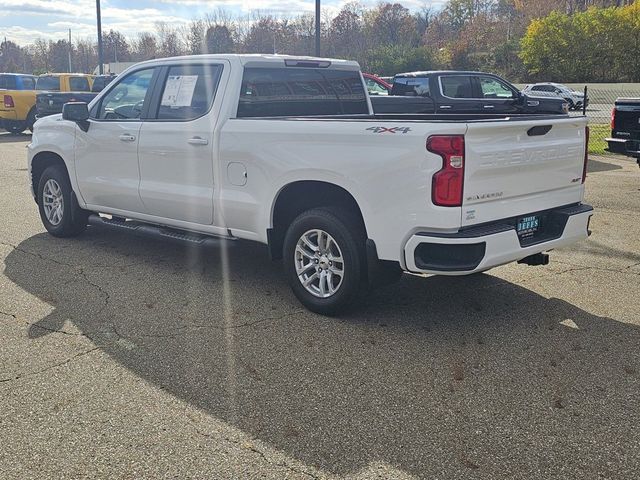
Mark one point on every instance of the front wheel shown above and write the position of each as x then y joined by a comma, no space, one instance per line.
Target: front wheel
31,119
324,258
59,210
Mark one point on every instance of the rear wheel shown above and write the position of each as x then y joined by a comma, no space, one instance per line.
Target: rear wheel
324,259
59,210
15,127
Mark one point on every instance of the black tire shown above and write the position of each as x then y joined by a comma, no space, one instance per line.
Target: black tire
31,119
347,233
16,128
74,218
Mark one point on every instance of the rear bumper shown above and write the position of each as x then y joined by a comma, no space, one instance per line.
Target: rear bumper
483,247
624,146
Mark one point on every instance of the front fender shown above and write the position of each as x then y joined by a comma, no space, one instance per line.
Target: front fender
55,136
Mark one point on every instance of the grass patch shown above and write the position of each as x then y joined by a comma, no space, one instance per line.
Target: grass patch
597,134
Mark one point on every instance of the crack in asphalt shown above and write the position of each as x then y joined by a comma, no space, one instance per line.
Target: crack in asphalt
76,268
38,255
602,269
50,367
42,327
69,265
193,329
106,295
252,448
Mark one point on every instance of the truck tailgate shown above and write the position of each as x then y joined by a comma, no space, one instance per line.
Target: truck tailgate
522,166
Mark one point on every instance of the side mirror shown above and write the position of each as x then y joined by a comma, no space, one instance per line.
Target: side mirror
77,112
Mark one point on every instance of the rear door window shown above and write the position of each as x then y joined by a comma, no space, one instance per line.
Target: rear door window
281,92
188,91
48,82
457,86
79,84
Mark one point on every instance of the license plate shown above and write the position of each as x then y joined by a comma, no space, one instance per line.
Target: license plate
528,226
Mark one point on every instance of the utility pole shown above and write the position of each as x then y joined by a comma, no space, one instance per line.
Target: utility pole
317,28
100,57
70,51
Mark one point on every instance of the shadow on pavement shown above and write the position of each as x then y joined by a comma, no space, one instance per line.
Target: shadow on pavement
438,377
597,166
11,138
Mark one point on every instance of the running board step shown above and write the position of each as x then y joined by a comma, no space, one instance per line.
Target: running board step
183,236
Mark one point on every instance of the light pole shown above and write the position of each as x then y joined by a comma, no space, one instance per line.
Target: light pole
317,28
100,56
69,50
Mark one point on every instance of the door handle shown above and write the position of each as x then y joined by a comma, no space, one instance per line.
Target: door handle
198,141
126,137
489,106
445,106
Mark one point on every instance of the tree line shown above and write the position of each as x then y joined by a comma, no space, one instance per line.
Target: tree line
567,40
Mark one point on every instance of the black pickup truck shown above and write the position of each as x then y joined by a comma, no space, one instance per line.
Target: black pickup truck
625,128
461,92
50,103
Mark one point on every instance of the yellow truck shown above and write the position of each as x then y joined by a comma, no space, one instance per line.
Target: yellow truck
17,101
18,95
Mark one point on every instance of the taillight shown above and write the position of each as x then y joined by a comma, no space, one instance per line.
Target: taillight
448,182
613,119
8,101
586,153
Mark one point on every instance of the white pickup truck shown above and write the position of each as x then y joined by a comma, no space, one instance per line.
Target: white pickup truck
287,151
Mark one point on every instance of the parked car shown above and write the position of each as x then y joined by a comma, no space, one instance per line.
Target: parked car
574,98
375,85
461,92
58,89
50,103
625,128
17,96
287,152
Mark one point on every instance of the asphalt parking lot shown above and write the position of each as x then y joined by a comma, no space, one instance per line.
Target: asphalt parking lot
123,357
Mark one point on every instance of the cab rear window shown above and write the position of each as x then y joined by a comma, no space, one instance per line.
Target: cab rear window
7,82
48,83
79,84
283,92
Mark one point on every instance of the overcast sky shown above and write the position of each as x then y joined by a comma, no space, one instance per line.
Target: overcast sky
22,21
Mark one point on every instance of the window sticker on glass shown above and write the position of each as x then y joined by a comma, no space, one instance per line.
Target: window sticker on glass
178,92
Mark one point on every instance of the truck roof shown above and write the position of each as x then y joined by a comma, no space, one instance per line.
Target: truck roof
66,75
17,74
627,100
441,72
260,59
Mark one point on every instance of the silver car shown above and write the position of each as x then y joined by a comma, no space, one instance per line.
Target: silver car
548,89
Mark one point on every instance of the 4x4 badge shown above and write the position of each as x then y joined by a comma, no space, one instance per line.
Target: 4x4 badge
389,130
